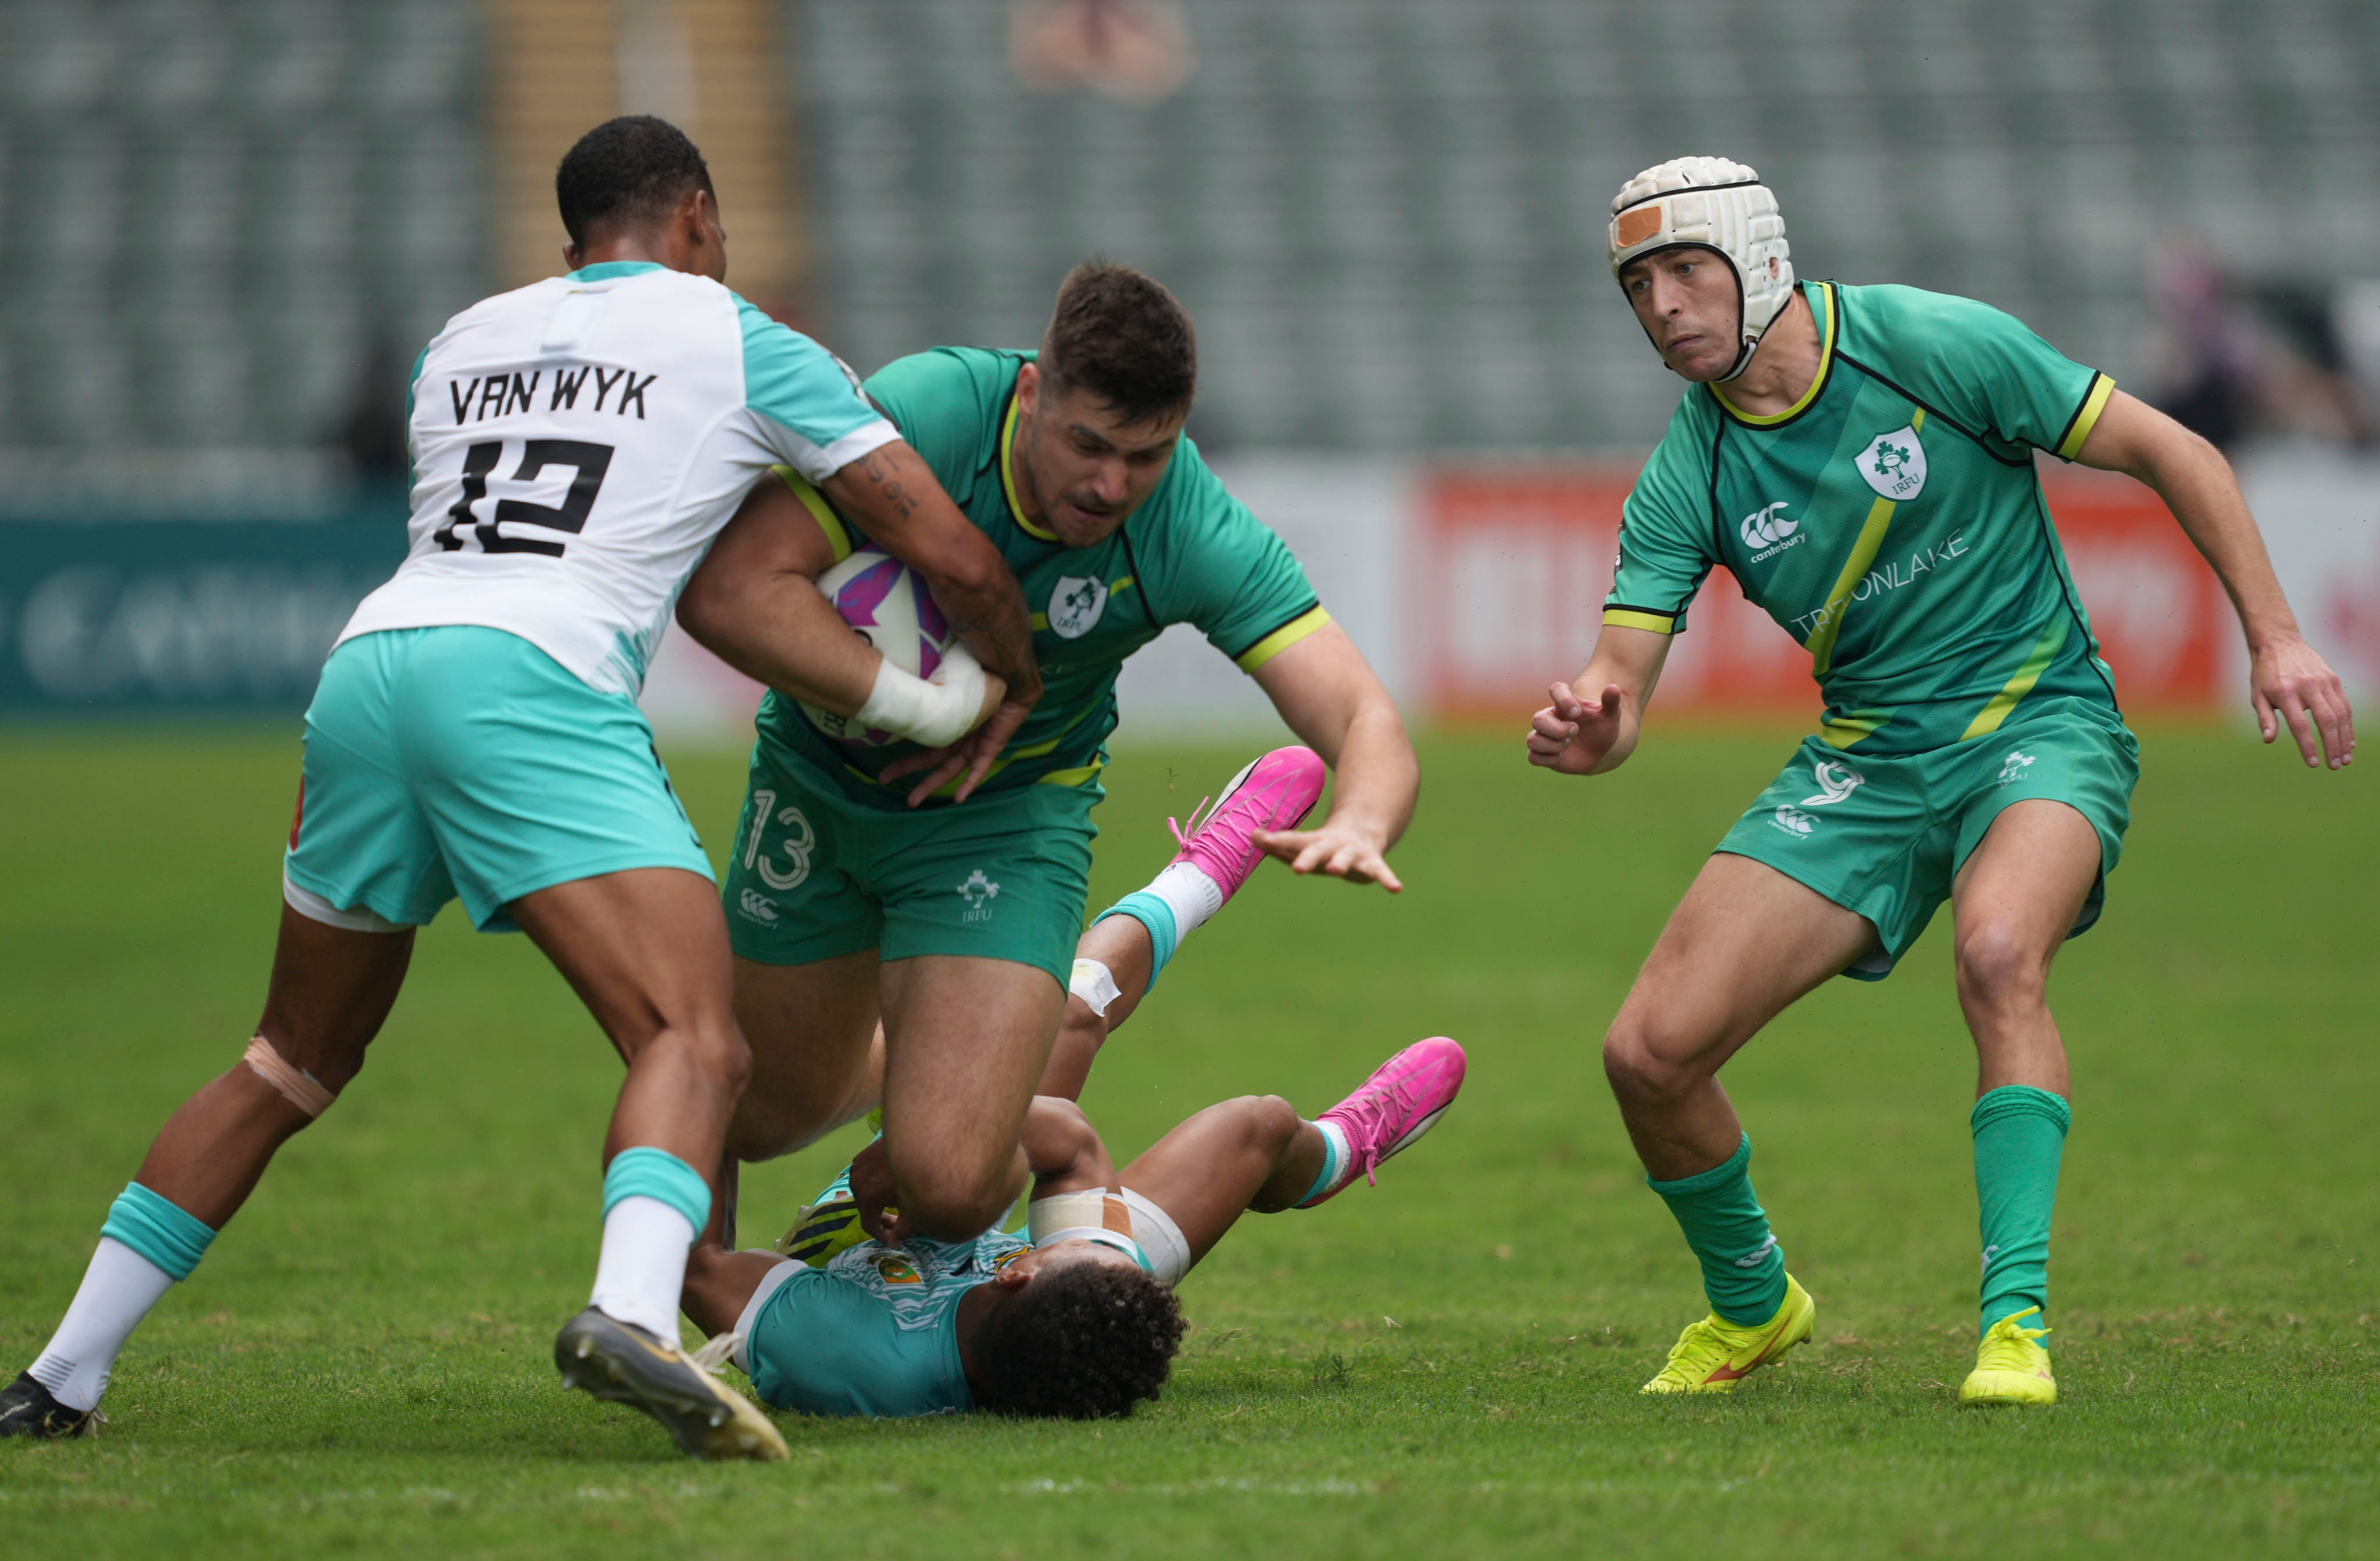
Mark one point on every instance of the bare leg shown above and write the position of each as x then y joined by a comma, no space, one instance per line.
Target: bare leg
330,992
816,1057
1122,945
2015,901
646,950
1744,944
1253,1153
966,1038
718,1283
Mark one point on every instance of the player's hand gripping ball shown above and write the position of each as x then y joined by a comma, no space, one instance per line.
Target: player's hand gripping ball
889,607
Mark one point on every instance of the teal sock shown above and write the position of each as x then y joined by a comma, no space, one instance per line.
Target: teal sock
1334,1160
1158,917
161,1231
2020,1132
647,1172
1744,1268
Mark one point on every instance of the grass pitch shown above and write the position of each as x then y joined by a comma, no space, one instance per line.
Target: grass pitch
1444,1366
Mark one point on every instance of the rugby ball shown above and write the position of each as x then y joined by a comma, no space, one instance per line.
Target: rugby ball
889,608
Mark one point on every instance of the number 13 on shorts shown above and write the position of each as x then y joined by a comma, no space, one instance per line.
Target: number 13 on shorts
796,840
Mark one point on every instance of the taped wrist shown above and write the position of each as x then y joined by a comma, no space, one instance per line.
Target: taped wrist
1097,1215
298,1086
936,711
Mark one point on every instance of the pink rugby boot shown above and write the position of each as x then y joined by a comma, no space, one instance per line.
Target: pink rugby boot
1402,1099
1274,792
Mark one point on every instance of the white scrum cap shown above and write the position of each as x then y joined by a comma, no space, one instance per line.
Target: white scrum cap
1712,204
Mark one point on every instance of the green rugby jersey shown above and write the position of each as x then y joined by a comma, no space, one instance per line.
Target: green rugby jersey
1190,554
1891,521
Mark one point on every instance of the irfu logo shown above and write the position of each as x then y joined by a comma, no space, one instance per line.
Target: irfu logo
979,892
1076,605
1894,465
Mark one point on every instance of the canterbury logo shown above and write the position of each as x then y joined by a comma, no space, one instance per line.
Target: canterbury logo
1769,525
1835,783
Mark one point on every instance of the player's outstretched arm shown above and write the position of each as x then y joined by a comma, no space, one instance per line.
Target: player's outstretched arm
2287,680
1329,695
1594,720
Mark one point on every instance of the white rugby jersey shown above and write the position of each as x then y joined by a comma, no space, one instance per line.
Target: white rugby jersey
578,443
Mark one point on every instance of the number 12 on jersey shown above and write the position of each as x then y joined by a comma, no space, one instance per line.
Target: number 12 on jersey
590,463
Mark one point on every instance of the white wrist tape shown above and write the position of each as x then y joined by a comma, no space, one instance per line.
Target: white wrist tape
1097,1215
1095,984
936,711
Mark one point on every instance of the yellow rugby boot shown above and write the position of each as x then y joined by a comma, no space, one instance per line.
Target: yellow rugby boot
1712,1355
2009,1367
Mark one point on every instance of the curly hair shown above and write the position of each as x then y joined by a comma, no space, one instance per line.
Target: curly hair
1083,1342
1121,337
626,171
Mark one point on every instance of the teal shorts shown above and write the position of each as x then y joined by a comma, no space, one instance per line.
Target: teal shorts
465,762
823,868
1885,837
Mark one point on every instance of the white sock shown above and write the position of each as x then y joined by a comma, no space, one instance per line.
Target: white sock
1189,894
118,1288
643,1266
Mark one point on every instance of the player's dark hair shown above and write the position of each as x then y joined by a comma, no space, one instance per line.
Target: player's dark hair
1084,1342
1122,337
626,172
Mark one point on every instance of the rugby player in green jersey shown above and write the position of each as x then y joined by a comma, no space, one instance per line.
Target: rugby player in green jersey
942,890
1862,460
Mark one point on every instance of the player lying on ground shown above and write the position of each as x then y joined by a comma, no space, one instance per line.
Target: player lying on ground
577,445
1080,1320
1862,460
866,883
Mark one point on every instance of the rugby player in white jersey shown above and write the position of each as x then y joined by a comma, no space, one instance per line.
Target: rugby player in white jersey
577,445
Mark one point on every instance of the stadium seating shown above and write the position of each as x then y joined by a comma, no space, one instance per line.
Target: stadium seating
217,210
1387,215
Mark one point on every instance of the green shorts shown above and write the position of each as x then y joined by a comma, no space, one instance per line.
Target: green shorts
822,869
1885,837
465,762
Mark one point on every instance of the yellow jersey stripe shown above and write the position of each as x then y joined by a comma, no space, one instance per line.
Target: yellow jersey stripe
1852,726
1817,382
1628,617
838,535
1282,639
1987,720
2087,418
1008,479
1076,776
1821,644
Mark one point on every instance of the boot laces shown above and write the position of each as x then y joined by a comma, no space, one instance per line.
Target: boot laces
1182,835
1372,1106
2004,1346
714,1354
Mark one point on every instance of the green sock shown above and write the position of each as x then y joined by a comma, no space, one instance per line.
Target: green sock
2019,1133
1744,1268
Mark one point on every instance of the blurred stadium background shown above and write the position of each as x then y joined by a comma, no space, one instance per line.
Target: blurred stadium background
230,224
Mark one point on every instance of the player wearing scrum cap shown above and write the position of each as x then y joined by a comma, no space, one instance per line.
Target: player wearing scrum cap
1861,458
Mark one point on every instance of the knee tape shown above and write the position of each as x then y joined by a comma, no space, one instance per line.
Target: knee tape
298,1086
